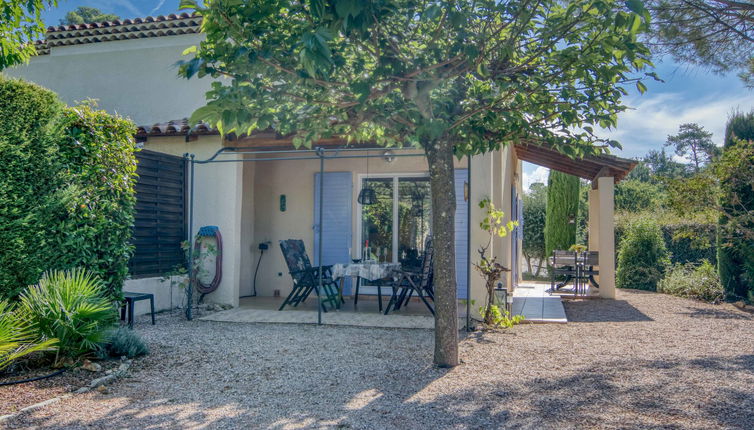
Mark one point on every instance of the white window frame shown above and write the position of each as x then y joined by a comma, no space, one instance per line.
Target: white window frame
367,289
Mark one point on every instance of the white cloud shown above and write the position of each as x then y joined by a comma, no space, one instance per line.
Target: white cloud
539,174
653,118
156,8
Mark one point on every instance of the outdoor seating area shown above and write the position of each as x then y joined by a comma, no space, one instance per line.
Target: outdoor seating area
577,269
328,282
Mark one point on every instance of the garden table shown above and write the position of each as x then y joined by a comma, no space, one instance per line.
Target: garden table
371,271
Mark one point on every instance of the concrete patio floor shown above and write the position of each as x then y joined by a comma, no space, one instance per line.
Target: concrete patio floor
530,300
365,314
536,305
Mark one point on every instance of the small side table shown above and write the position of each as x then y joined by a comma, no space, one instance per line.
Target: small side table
130,300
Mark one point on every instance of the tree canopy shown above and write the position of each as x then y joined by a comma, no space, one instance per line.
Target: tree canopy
85,15
21,24
481,73
715,33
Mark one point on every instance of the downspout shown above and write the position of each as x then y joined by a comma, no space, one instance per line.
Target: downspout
321,154
468,248
189,291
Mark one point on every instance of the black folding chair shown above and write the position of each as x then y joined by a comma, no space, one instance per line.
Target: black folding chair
409,282
306,277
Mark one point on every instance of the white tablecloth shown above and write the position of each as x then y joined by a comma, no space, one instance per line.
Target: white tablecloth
370,271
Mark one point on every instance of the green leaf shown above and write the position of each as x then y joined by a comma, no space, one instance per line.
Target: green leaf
636,6
641,87
188,4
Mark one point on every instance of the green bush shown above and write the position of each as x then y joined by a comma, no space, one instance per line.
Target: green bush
700,282
637,196
687,241
17,337
643,258
562,208
66,189
124,341
72,307
100,169
29,175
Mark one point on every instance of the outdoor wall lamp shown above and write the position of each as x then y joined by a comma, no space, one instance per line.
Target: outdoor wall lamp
388,156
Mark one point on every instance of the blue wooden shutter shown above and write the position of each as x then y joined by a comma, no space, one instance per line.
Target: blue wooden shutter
337,214
462,233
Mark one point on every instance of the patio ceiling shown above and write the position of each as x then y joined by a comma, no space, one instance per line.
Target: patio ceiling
590,167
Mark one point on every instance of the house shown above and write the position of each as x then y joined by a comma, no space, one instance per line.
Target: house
128,67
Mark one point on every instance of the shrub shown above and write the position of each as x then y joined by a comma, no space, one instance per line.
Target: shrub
98,152
700,282
687,240
643,258
72,307
66,189
735,170
29,120
124,341
17,338
562,207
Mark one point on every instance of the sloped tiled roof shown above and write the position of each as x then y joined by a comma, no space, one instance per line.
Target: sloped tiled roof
177,127
121,29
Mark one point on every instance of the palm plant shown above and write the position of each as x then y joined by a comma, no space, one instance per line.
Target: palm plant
71,306
17,338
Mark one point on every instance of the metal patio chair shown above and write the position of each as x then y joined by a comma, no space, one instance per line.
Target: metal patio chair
306,277
562,263
590,259
419,282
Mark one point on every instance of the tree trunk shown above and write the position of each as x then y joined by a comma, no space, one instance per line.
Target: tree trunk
440,158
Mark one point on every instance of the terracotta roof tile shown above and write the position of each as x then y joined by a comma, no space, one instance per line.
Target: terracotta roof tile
178,127
137,28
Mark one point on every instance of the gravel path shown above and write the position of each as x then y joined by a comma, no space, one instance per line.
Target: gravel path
642,361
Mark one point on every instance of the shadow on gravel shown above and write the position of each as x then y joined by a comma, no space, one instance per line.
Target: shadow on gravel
720,314
600,310
597,396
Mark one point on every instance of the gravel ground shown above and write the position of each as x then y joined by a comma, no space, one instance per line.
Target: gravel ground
644,360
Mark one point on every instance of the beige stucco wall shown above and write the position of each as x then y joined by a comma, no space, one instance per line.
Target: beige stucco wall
219,200
135,78
492,176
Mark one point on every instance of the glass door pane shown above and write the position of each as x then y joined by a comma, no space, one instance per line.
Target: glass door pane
377,221
414,220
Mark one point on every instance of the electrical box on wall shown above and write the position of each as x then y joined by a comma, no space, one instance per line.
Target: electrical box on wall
282,203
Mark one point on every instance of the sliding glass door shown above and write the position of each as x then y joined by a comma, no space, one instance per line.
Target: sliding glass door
395,227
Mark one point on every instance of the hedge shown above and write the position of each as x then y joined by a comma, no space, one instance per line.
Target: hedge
686,243
29,175
66,189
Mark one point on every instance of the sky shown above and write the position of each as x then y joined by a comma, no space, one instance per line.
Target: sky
689,94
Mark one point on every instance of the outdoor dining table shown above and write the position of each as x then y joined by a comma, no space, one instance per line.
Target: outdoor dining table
369,270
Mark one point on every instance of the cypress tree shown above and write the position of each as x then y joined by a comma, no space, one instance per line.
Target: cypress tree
735,255
562,208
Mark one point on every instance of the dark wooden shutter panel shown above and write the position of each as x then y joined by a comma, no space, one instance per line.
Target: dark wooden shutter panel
160,219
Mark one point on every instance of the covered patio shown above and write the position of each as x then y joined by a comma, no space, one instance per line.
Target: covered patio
260,191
